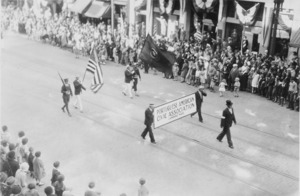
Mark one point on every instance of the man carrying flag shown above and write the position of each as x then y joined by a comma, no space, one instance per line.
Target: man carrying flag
77,91
161,60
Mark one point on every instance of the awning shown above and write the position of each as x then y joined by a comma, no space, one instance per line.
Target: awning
285,22
79,6
99,9
139,4
295,41
120,2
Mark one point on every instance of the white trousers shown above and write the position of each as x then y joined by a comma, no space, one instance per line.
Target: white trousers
78,102
128,89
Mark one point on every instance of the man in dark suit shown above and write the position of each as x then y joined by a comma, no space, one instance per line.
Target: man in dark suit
199,99
226,122
148,122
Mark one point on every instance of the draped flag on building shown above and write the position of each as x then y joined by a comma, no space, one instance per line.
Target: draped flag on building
247,17
155,57
94,67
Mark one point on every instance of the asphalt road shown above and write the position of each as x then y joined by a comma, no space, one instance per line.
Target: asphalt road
103,144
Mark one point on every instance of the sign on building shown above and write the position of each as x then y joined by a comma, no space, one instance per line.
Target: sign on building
174,110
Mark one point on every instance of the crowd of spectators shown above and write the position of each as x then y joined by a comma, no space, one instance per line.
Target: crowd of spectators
22,170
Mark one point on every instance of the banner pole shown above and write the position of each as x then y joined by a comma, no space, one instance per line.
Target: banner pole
83,76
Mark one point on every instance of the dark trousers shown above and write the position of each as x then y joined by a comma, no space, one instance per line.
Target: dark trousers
148,129
226,131
134,86
291,100
66,100
199,112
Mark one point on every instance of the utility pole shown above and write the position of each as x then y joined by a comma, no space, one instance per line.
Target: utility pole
277,4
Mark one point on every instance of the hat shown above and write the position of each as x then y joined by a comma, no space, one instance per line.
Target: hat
201,87
151,104
10,180
234,65
66,80
16,189
228,103
236,79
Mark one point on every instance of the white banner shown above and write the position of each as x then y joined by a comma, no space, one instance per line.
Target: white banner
174,110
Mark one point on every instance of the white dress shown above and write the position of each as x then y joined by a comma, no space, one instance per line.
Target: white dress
222,86
254,83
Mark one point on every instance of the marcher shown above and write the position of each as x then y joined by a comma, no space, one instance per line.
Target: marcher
30,161
148,122
128,77
226,122
38,168
142,191
67,92
136,75
78,89
199,99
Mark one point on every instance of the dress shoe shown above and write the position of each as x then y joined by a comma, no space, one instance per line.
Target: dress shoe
143,138
231,147
219,140
63,109
153,142
70,115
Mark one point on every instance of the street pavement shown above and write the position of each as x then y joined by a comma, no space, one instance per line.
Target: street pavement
103,143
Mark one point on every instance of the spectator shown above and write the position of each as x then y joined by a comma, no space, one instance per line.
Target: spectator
16,190
38,168
31,190
91,190
55,172
59,185
30,161
21,135
21,175
143,191
24,150
10,166
49,191
5,135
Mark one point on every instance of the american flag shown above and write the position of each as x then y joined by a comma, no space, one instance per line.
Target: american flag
198,36
94,67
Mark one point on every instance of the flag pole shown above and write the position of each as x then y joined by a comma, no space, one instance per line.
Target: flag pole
61,79
84,76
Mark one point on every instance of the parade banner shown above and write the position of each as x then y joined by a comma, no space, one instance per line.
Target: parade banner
174,110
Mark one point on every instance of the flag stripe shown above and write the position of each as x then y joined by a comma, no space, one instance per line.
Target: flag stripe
94,67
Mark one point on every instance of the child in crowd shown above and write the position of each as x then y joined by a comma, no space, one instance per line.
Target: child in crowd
236,86
55,172
59,185
30,161
222,87
21,135
202,75
175,70
24,151
5,135
31,190
197,76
